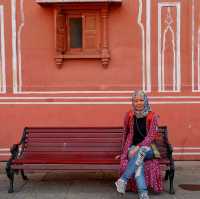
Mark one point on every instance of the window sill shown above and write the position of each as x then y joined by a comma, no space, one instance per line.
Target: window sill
80,56
102,56
77,1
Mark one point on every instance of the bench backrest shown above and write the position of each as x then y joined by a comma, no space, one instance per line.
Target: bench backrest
72,140
83,140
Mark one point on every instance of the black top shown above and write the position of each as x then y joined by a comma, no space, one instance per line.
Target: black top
140,130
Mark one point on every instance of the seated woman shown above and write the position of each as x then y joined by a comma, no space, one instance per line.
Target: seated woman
138,163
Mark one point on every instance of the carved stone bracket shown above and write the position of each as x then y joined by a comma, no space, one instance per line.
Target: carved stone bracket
105,54
61,39
59,62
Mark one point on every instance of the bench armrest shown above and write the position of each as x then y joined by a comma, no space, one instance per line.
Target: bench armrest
14,150
17,149
169,149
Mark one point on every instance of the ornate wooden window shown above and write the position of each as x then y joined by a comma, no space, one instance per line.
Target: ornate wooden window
82,34
81,29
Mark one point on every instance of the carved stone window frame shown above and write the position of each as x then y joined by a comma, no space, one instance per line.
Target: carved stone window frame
61,10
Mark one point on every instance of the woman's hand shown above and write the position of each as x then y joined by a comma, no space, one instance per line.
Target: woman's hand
117,157
133,151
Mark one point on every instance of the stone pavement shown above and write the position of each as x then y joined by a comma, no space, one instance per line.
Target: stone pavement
92,186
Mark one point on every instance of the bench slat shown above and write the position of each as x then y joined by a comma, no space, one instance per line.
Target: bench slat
67,153
74,167
74,135
74,140
76,129
67,161
74,144
76,148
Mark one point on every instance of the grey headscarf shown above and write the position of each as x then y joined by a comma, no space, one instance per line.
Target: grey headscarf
147,108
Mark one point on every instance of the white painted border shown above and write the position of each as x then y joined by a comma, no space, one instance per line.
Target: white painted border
193,57
178,46
4,149
97,100
186,153
96,97
14,47
148,46
93,102
186,148
19,43
5,154
2,58
198,64
159,48
161,86
77,92
139,21
195,62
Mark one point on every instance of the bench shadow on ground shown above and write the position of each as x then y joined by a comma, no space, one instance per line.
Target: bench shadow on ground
91,184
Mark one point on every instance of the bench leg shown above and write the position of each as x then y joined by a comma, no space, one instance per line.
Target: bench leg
10,174
23,175
171,180
166,175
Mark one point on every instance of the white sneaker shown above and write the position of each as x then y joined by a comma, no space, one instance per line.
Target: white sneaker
121,186
144,195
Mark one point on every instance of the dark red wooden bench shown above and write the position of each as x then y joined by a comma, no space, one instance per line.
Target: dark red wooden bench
70,149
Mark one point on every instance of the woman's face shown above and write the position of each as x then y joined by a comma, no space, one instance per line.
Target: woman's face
139,103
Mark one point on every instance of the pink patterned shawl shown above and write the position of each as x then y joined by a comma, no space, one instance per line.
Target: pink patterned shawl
152,168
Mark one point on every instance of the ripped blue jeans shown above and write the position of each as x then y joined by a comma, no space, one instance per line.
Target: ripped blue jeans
133,170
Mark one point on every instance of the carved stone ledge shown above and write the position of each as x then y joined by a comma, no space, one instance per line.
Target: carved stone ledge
104,56
76,1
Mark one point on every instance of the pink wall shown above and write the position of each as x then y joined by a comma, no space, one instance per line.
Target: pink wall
82,92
